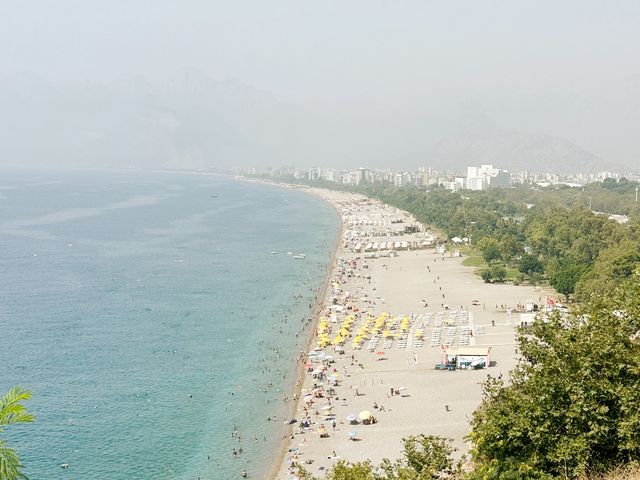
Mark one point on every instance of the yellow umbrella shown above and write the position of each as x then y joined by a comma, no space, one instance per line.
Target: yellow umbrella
364,415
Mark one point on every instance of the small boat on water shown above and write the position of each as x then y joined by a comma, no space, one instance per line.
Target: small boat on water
299,256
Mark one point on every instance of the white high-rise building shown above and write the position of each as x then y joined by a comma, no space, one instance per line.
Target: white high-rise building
329,175
398,180
314,173
486,176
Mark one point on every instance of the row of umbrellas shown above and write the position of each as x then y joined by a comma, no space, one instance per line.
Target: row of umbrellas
383,325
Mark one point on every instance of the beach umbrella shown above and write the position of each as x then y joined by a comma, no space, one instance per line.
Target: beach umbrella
351,418
353,435
379,353
327,407
364,415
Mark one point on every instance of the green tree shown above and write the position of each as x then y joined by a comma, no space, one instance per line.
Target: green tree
490,249
497,272
535,278
571,405
344,471
12,411
613,265
566,275
530,264
510,248
425,457
485,274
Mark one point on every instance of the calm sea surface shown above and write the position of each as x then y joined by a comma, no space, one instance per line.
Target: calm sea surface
148,315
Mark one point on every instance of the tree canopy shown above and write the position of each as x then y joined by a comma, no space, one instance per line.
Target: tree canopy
572,404
425,457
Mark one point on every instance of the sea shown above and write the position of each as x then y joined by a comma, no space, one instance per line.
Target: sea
156,317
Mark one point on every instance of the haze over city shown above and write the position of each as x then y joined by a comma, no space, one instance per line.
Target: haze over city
542,85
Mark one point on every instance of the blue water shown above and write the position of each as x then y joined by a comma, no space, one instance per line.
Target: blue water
148,316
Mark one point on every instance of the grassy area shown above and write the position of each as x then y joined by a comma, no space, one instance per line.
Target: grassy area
512,272
473,258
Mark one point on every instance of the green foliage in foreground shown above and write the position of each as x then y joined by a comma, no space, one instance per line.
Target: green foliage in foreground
425,457
12,411
572,406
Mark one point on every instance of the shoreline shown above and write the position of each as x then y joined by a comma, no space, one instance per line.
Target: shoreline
286,441
451,397
409,286
299,369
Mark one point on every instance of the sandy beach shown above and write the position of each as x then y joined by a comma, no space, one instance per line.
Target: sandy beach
393,305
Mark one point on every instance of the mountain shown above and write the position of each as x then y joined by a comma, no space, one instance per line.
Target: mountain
190,121
194,121
477,140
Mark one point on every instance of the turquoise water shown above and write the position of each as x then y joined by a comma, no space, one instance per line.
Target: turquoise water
149,317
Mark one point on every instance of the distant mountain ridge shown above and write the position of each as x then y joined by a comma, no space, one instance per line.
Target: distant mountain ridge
478,141
193,121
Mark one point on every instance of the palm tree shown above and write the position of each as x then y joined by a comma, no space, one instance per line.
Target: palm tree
12,411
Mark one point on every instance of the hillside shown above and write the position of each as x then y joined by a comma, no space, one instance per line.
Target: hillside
190,121
476,140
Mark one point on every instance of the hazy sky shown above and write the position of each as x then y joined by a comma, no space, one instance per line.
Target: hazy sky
313,51
348,56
